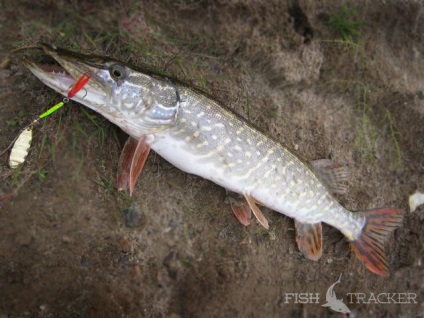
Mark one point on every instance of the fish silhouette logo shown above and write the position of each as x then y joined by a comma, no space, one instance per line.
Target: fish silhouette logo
332,301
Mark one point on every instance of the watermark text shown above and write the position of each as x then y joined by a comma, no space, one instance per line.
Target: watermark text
382,298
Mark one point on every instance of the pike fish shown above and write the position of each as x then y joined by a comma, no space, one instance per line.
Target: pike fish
200,136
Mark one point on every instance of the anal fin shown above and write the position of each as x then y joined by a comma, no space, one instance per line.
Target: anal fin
242,212
239,206
258,213
309,239
333,175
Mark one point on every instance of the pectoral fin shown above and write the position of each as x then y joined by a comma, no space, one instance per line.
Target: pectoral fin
124,164
139,159
131,163
309,239
258,213
333,175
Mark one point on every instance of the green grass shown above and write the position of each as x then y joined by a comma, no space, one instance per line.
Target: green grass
368,130
20,120
77,172
100,131
107,185
16,176
366,138
247,107
395,135
42,174
344,24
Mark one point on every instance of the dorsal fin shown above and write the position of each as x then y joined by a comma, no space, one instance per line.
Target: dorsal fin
333,175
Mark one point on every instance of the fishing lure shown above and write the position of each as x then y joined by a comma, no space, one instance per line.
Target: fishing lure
80,84
22,142
20,148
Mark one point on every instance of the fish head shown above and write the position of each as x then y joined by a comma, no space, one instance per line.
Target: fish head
137,102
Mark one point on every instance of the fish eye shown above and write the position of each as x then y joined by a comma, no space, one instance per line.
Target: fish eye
117,71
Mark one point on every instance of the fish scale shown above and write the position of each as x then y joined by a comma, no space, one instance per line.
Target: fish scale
200,136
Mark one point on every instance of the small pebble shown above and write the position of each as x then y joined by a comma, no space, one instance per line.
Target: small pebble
415,200
5,63
66,239
24,239
124,245
137,271
272,235
175,223
171,243
124,259
85,262
133,216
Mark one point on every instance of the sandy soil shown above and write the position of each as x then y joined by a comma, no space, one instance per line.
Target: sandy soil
72,246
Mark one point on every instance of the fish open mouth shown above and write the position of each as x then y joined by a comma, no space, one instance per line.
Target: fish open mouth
54,69
46,63
60,69
53,75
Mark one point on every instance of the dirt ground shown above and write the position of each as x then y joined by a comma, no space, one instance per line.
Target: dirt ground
72,246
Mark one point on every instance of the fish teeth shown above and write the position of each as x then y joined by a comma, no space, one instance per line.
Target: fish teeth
58,73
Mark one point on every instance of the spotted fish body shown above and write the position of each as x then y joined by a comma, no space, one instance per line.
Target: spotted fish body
214,143
199,136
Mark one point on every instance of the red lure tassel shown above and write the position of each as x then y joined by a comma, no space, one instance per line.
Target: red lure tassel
80,84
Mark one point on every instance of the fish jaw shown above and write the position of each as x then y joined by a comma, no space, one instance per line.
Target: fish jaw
62,78
136,102
61,81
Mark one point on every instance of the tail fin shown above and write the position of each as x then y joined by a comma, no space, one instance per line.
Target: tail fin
369,246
